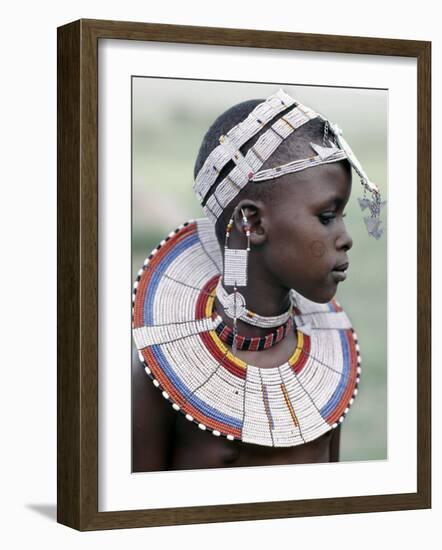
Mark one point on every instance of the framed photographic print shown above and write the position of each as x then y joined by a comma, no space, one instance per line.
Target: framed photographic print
229,347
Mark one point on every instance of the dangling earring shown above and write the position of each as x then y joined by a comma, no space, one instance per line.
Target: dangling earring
235,274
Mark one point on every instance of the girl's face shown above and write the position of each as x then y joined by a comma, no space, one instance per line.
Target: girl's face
307,242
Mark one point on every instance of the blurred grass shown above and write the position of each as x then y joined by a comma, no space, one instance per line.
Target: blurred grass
170,118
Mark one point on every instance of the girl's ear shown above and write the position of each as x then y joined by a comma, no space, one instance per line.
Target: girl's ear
253,212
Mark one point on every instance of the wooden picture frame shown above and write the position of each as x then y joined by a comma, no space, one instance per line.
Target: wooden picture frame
77,224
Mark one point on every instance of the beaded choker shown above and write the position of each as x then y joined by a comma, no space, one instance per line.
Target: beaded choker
179,348
244,314
252,343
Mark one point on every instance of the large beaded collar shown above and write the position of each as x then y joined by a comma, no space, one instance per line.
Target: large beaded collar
174,332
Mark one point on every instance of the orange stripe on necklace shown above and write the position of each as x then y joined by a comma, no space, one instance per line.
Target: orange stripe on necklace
289,405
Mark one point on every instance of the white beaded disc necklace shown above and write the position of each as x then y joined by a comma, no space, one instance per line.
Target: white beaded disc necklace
174,331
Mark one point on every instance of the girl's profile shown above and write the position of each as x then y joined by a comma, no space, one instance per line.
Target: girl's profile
246,357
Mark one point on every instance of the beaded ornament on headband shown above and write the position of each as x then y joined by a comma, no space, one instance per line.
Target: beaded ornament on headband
247,167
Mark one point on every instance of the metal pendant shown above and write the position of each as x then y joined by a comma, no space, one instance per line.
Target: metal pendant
324,152
374,226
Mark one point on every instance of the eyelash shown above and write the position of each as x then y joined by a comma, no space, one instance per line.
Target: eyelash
325,219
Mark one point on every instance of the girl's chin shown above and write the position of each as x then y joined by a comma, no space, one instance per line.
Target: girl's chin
325,300
322,297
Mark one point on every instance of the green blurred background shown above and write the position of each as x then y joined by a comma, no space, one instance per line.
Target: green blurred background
170,118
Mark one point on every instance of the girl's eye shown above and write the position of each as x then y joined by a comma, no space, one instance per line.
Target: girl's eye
327,217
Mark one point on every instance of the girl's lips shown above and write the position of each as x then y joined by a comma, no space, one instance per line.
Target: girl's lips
339,276
341,267
339,272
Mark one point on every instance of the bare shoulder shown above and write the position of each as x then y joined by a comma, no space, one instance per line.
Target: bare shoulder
153,423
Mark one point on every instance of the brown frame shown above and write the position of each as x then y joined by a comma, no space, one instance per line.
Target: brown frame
77,225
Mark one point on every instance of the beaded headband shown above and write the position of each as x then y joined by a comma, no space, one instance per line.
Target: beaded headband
247,167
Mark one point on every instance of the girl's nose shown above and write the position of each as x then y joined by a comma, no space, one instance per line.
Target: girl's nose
344,241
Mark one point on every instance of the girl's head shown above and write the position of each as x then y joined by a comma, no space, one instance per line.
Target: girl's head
298,236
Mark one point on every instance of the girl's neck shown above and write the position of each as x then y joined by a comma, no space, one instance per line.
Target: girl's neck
262,296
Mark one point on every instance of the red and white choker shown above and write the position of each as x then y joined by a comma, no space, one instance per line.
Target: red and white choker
251,343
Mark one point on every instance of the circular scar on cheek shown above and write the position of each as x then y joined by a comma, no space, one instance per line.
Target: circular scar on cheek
317,248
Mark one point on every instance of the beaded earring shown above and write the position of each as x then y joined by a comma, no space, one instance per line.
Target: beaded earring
235,274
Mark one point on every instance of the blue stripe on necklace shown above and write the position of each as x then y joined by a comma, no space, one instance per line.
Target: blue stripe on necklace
158,272
334,400
187,393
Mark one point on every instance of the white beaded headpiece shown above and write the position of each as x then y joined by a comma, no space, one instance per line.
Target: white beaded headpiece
247,168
